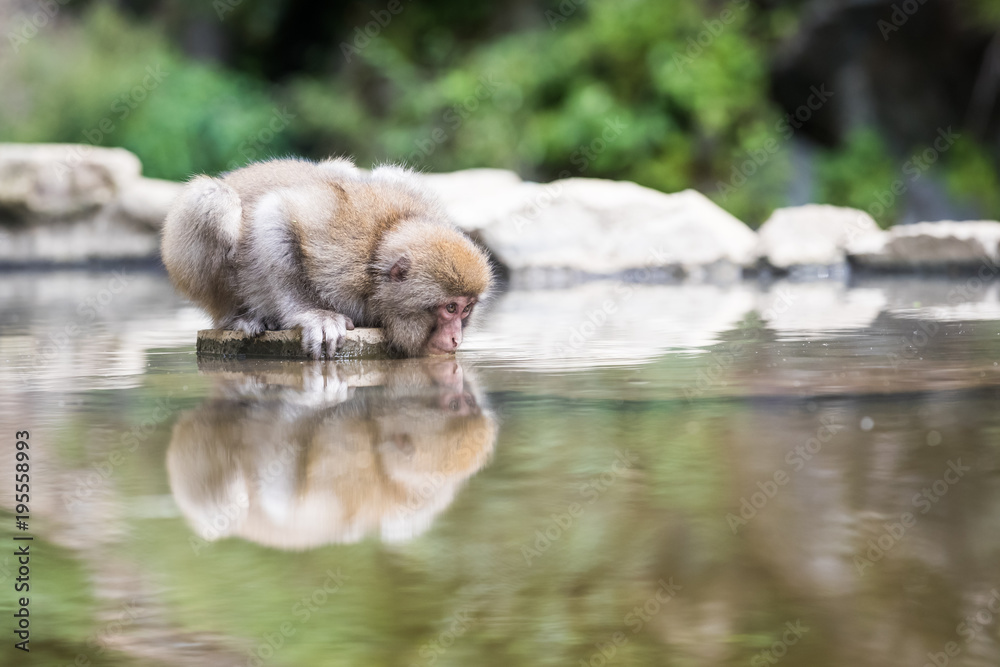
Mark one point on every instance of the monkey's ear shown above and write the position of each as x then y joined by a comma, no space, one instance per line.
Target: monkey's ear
397,273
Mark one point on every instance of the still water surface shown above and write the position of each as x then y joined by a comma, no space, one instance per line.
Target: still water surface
793,474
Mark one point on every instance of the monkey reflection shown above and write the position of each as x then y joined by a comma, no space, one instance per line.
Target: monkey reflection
332,463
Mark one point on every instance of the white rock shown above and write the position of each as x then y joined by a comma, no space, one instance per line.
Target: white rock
812,235
147,200
45,181
593,226
71,204
476,198
606,322
930,245
819,309
101,237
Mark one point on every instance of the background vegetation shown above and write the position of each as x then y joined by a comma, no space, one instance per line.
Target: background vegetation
668,93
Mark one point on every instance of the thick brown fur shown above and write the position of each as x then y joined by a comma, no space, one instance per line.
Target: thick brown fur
322,246
296,467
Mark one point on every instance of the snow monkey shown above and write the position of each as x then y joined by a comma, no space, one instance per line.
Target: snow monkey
325,246
296,466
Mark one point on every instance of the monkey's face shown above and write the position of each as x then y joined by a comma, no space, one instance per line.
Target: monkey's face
450,318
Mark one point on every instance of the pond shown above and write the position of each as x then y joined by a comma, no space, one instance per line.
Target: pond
765,472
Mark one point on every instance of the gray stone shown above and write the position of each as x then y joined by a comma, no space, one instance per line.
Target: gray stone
583,227
812,235
359,343
41,182
929,245
145,201
74,204
477,198
88,239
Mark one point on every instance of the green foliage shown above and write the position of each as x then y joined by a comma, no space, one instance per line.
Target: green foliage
671,94
110,82
856,174
982,12
604,93
971,174
60,603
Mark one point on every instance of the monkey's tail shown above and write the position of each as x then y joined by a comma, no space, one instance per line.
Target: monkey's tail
200,239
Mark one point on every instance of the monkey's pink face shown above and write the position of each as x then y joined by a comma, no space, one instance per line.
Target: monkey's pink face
451,316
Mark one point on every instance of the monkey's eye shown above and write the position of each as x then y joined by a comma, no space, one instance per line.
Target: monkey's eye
468,309
451,307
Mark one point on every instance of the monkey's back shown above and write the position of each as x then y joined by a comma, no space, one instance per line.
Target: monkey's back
333,217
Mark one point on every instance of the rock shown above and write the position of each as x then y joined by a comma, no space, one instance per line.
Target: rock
929,245
582,227
103,237
477,198
147,200
41,182
359,343
812,235
605,323
75,204
816,310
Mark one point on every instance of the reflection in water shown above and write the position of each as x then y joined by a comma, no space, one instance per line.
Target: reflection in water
765,473
328,461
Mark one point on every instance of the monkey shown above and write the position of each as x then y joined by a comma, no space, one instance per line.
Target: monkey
325,247
261,459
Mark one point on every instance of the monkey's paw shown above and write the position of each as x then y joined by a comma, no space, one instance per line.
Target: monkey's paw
323,387
323,331
248,325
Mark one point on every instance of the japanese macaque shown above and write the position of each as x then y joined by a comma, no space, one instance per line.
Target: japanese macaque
325,247
295,456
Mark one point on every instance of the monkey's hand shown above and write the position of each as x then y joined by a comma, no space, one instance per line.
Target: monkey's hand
322,331
248,325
